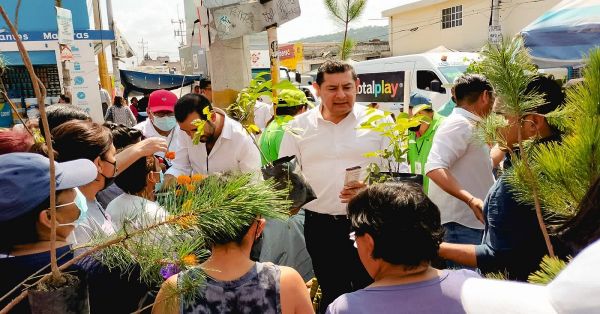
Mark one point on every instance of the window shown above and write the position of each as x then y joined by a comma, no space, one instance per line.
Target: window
452,17
424,79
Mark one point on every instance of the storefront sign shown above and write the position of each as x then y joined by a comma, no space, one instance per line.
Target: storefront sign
84,73
381,87
52,36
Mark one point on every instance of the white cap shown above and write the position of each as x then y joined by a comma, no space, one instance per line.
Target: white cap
576,290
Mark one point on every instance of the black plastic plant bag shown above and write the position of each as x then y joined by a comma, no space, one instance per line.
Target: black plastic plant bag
286,173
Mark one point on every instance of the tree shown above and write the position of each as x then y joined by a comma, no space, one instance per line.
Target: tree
344,12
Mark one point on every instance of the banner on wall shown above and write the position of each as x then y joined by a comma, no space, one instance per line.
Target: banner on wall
84,73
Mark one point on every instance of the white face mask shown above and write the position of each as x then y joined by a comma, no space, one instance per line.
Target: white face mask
165,123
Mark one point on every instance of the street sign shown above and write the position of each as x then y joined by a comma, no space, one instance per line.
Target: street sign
495,34
247,18
66,34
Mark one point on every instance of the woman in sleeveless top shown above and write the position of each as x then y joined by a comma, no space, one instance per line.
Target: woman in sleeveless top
236,284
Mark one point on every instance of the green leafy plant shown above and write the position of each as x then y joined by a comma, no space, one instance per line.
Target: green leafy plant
242,109
396,133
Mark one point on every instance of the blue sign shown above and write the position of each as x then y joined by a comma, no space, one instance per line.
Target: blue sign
79,80
91,34
77,66
81,95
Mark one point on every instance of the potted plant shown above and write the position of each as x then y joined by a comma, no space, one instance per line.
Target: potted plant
393,157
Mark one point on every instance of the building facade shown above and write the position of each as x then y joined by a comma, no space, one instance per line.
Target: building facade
460,25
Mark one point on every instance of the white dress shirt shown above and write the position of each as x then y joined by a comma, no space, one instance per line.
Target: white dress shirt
263,112
325,150
233,151
456,148
133,207
148,130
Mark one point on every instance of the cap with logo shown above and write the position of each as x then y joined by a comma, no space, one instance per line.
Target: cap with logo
162,100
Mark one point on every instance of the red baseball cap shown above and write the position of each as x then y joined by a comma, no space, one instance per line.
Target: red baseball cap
162,100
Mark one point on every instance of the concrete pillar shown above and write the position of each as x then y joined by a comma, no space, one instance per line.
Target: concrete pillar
229,68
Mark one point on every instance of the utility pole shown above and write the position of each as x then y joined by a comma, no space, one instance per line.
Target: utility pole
144,45
102,68
495,29
113,48
179,32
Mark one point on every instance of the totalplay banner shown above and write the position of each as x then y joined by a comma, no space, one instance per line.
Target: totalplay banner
381,87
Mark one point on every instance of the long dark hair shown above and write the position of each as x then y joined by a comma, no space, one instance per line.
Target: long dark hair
584,228
78,139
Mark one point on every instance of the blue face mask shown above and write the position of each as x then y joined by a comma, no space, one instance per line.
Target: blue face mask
158,185
165,123
81,203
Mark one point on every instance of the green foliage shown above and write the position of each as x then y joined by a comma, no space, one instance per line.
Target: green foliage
396,132
344,12
568,169
550,268
243,108
488,129
346,48
509,68
497,276
202,211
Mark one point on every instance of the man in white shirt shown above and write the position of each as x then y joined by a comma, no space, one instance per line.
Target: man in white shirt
459,164
104,99
328,142
224,146
161,121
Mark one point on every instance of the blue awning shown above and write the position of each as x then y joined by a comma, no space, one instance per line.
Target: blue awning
37,57
564,35
146,83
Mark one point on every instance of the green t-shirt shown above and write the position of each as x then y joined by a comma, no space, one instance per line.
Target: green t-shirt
270,140
418,149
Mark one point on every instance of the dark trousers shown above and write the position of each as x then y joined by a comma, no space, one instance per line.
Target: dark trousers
335,259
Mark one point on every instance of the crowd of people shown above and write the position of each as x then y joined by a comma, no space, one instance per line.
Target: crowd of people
380,248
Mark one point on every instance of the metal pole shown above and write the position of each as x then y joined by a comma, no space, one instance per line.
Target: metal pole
113,48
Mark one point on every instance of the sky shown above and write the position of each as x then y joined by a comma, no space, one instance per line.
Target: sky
152,21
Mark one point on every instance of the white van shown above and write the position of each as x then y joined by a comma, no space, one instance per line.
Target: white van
390,82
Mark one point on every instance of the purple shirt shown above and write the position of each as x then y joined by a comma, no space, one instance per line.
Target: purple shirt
439,295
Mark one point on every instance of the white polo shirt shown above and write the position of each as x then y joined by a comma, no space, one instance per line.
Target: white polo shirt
233,151
325,150
148,130
135,208
455,148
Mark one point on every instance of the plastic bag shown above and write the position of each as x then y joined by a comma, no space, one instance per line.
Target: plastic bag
286,172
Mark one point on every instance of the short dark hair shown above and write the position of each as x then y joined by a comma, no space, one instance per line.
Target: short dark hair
334,66
204,83
61,113
133,179
122,135
289,111
403,222
191,103
65,98
550,90
22,229
468,87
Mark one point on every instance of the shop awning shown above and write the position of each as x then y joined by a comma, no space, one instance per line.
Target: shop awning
37,57
146,83
564,35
